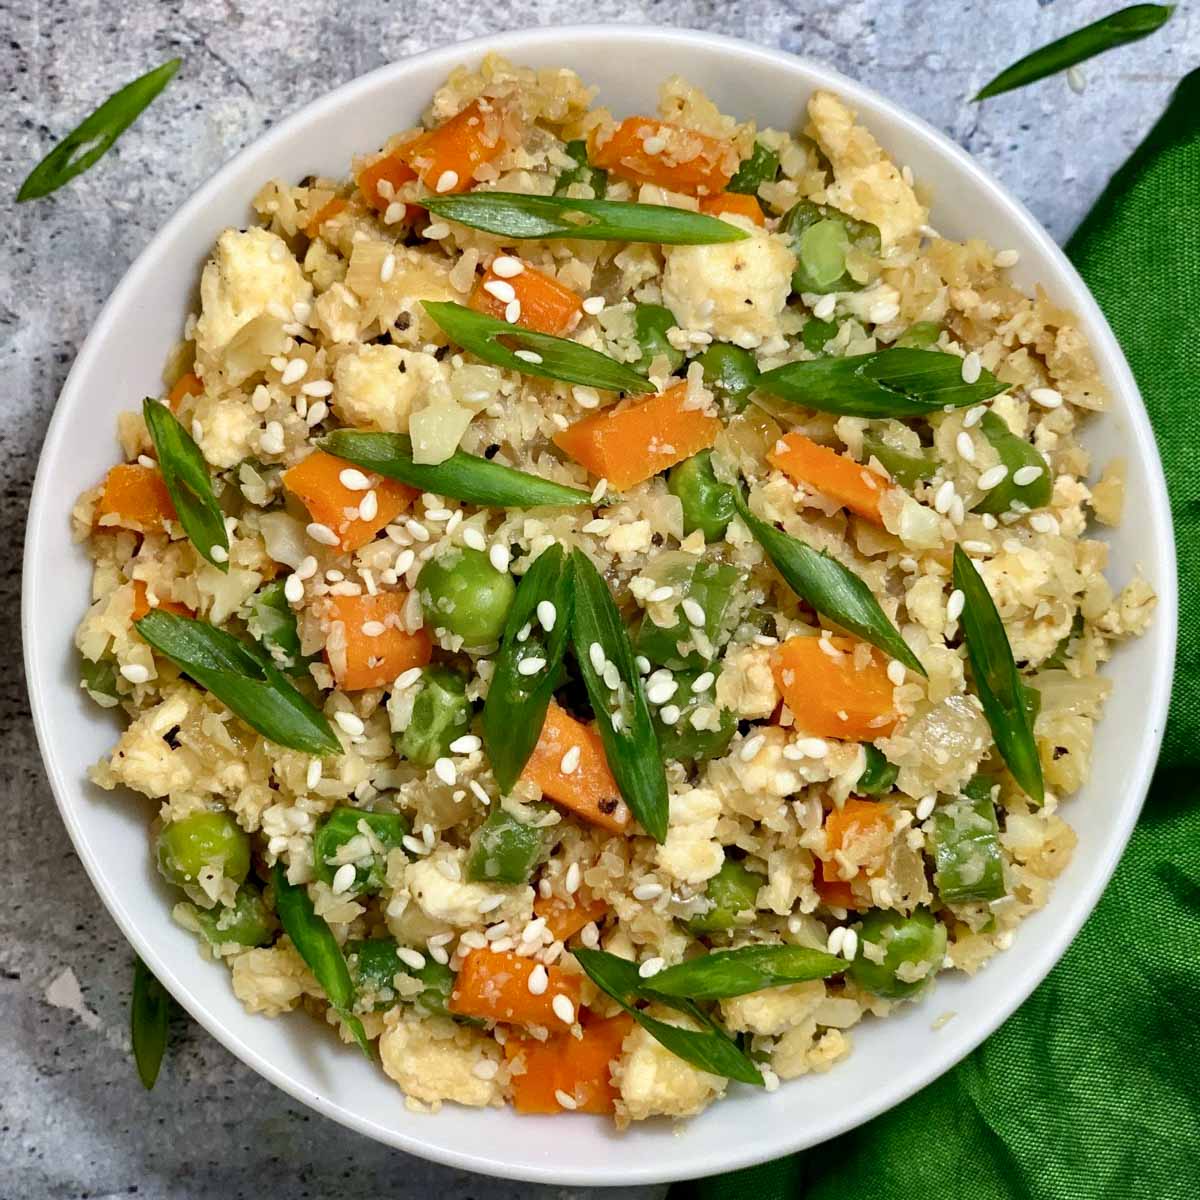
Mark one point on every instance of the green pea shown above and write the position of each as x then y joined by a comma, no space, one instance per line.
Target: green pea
507,848
1016,454
272,622
343,825
582,172
247,923
816,334
762,166
374,964
203,840
707,502
683,741
650,325
879,775
966,851
441,713
916,940
730,371
711,585
462,592
99,680
920,336
820,252
731,893
904,466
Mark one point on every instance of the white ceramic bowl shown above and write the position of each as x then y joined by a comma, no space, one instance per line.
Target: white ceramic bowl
121,362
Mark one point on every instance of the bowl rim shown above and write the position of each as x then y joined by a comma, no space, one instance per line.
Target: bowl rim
45,506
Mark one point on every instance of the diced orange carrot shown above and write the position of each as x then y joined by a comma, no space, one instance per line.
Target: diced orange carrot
646,150
866,824
580,1068
493,985
546,305
566,918
851,484
836,893
141,604
326,212
388,168
636,440
317,483
136,496
186,385
737,203
828,694
446,157
367,645
589,791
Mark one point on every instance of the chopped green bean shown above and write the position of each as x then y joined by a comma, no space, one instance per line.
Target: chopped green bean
209,840
684,740
879,775
910,943
650,325
707,502
582,172
730,371
906,467
762,166
966,851
731,894
506,848
711,586
440,714
272,623
246,923
1017,455
350,835
374,964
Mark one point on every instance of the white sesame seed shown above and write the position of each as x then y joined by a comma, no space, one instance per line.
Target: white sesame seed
318,387
507,267
512,311
694,613
321,533
547,614
353,480
974,416
530,666
404,560
307,568
349,723
651,966
373,629
313,775
1043,523
661,691
416,530
529,356
1024,476
598,491
135,672
850,945
197,431
413,845
343,879
974,547
823,309
569,763
144,460
896,673
1007,258
925,806
971,367
612,677
499,557
944,497
564,1099
669,714
485,1068
837,935
992,477
317,413
812,747
654,144
751,747
593,305
524,632
446,181
294,371
648,891
661,594
538,981
474,539
446,771
1076,79
596,657
480,792
954,605
574,874
504,292
489,904
368,506
533,930
467,744
394,212
410,957
703,682
965,446
585,397
643,664
219,554
1046,397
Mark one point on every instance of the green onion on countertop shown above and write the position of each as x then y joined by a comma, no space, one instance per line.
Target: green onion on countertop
149,1019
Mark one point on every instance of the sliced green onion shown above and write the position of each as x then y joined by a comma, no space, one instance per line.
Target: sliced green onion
622,714
1017,455
582,172
1117,29
90,140
725,973
272,623
466,477
99,679
315,943
966,851
997,681
149,1019
709,1048
879,775
242,677
888,383
816,333
516,215
185,473
516,704
761,167
831,588
530,352
651,324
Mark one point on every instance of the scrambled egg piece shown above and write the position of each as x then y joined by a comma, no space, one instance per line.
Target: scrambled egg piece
653,1082
378,387
746,685
272,980
692,852
455,901
435,1060
773,1010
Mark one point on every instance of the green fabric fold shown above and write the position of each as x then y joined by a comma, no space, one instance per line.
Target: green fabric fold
1091,1090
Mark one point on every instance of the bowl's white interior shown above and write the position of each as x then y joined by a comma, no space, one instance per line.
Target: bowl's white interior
121,362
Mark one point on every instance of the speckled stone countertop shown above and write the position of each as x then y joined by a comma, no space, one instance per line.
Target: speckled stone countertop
74,1121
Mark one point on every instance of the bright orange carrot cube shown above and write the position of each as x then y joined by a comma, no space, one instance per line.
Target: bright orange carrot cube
852,485
135,497
544,303
366,643
493,985
646,150
829,693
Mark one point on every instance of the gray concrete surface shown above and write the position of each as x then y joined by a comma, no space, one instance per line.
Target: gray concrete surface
74,1122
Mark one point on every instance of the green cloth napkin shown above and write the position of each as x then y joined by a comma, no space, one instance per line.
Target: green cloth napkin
1092,1088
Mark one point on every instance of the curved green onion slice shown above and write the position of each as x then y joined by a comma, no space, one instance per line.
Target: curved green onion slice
149,1018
